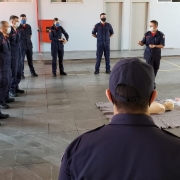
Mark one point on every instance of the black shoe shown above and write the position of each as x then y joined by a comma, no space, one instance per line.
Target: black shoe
108,72
96,72
12,94
54,75
20,91
3,116
63,73
4,106
154,85
22,77
9,100
34,74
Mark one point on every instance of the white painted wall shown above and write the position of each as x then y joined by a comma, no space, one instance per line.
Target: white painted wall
13,8
78,19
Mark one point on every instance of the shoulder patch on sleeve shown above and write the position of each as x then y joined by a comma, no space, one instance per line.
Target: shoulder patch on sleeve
97,24
161,33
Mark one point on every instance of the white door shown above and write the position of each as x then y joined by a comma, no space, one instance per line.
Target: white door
139,18
114,17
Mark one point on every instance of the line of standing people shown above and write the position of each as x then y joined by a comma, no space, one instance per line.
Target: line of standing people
15,44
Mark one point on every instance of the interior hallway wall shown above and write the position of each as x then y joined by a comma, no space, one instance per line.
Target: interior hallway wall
78,19
12,8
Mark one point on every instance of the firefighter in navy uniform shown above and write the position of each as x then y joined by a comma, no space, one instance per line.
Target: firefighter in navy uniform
26,45
5,65
154,41
103,31
16,59
57,46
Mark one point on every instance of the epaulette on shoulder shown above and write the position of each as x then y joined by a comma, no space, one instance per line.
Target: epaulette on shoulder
161,33
95,129
97,24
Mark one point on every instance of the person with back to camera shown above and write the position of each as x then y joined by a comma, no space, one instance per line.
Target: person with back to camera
131,147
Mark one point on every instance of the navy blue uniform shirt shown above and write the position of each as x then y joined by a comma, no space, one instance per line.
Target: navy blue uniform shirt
26,32
5,52
103,33
158,39
14,38
56,34
131,147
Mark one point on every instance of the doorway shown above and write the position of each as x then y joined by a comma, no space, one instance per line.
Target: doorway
139,20
114,17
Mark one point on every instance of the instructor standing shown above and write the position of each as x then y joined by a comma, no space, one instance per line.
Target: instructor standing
154,41
103,31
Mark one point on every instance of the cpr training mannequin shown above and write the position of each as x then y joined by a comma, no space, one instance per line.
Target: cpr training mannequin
157,108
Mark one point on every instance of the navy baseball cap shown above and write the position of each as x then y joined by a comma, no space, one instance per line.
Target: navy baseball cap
135,73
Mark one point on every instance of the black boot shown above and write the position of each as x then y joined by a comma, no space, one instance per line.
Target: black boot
13,94
9,100
4,106
34,74
108,72
63,73
20,91
23,77
96,72
3,116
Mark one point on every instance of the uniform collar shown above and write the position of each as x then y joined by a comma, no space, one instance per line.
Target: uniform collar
23,26
12,29
132,120
1,34
102,23
157,33
55,27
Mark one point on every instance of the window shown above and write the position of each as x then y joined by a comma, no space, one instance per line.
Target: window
168,0
15,0
66,1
